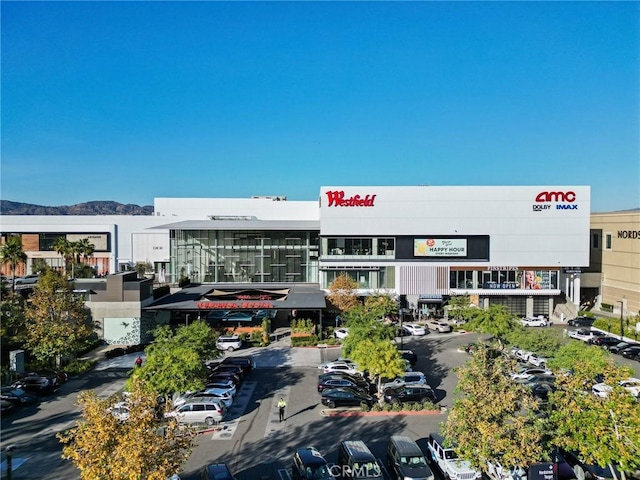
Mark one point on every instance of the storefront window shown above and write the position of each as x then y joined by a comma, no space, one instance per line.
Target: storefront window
461,279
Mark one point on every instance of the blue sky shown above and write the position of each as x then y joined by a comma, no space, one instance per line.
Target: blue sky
128,101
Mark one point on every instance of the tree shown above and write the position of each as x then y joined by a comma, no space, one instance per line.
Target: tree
176,361
495,320
364,326
460,307
342,293
63,247
588,360
603,431
13,254
11,317
56,320
544,342
83,249
380,358
494,417
380,305
102,446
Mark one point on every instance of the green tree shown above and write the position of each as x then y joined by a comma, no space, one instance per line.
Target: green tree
588,360
604,431
64,248
495,320
545,342
56,319
176,361
342,293
380,358
101,446
380,305
460,308
11,317
12,253
364,326
83,249
494,418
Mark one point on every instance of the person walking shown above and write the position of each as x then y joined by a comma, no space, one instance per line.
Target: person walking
281,406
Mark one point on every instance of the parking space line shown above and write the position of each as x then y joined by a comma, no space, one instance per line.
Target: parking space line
240,403
274,425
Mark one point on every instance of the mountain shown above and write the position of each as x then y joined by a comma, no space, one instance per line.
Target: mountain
89,208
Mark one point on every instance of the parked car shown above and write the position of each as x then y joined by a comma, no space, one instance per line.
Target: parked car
595,334
207,411
406,460
447,462
309,464
409,378
223,377
536,379
327,383
39,384
525,372
582,334
225,385
341,333
617,349
229,343
217,471
245,362
631,353
410,356
541,390
17,396
414,329
236,370
120,411
496,471
49,373
534,322
344,397
6,406
438,326
409,394
345,367
356,379
631,384
581,322
220,395
537,360
606,342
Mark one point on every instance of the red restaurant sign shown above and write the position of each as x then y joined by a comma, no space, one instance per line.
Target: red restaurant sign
336,199
233,305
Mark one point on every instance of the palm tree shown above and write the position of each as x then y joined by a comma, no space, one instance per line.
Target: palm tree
63,247
84,248
13,254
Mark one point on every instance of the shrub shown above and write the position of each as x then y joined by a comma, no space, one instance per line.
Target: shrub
586,313
77,367
397,407
386,407
304,341
427,405
605,307
364,407
376,407
116,352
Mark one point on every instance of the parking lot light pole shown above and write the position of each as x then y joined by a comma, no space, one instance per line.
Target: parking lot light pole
621,319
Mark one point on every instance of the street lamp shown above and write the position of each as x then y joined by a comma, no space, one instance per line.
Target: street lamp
621,319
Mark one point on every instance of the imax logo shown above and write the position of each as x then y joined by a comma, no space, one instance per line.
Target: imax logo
566,207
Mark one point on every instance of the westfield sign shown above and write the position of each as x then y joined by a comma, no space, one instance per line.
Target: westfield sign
336,198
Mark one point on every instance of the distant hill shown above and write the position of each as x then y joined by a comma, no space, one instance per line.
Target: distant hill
89,208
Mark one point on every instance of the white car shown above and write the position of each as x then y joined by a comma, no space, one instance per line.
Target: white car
343,367
602,390
414,329
525,372
437,326
537,360
534,322
220,395
496,471
582,334
341,333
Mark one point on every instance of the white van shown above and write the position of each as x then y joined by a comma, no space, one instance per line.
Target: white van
206,410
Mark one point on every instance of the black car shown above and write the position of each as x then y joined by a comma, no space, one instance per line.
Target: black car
409,393
17,396
327,383
309,464
246,363
631,353
223,376
588,470
581,322
345,397
6,406
49,373
606,342
217,471
236,370
40,384
621,346
356,379
410,356
541,390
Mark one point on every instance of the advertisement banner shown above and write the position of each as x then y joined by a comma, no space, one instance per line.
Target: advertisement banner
537,279
440,247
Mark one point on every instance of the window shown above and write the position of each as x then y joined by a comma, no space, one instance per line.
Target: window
607,241
595,241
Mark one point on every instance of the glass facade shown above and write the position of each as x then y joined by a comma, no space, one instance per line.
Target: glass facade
504,279
369,278
354,248
212,256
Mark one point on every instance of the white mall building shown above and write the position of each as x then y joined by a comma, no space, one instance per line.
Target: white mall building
520,246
